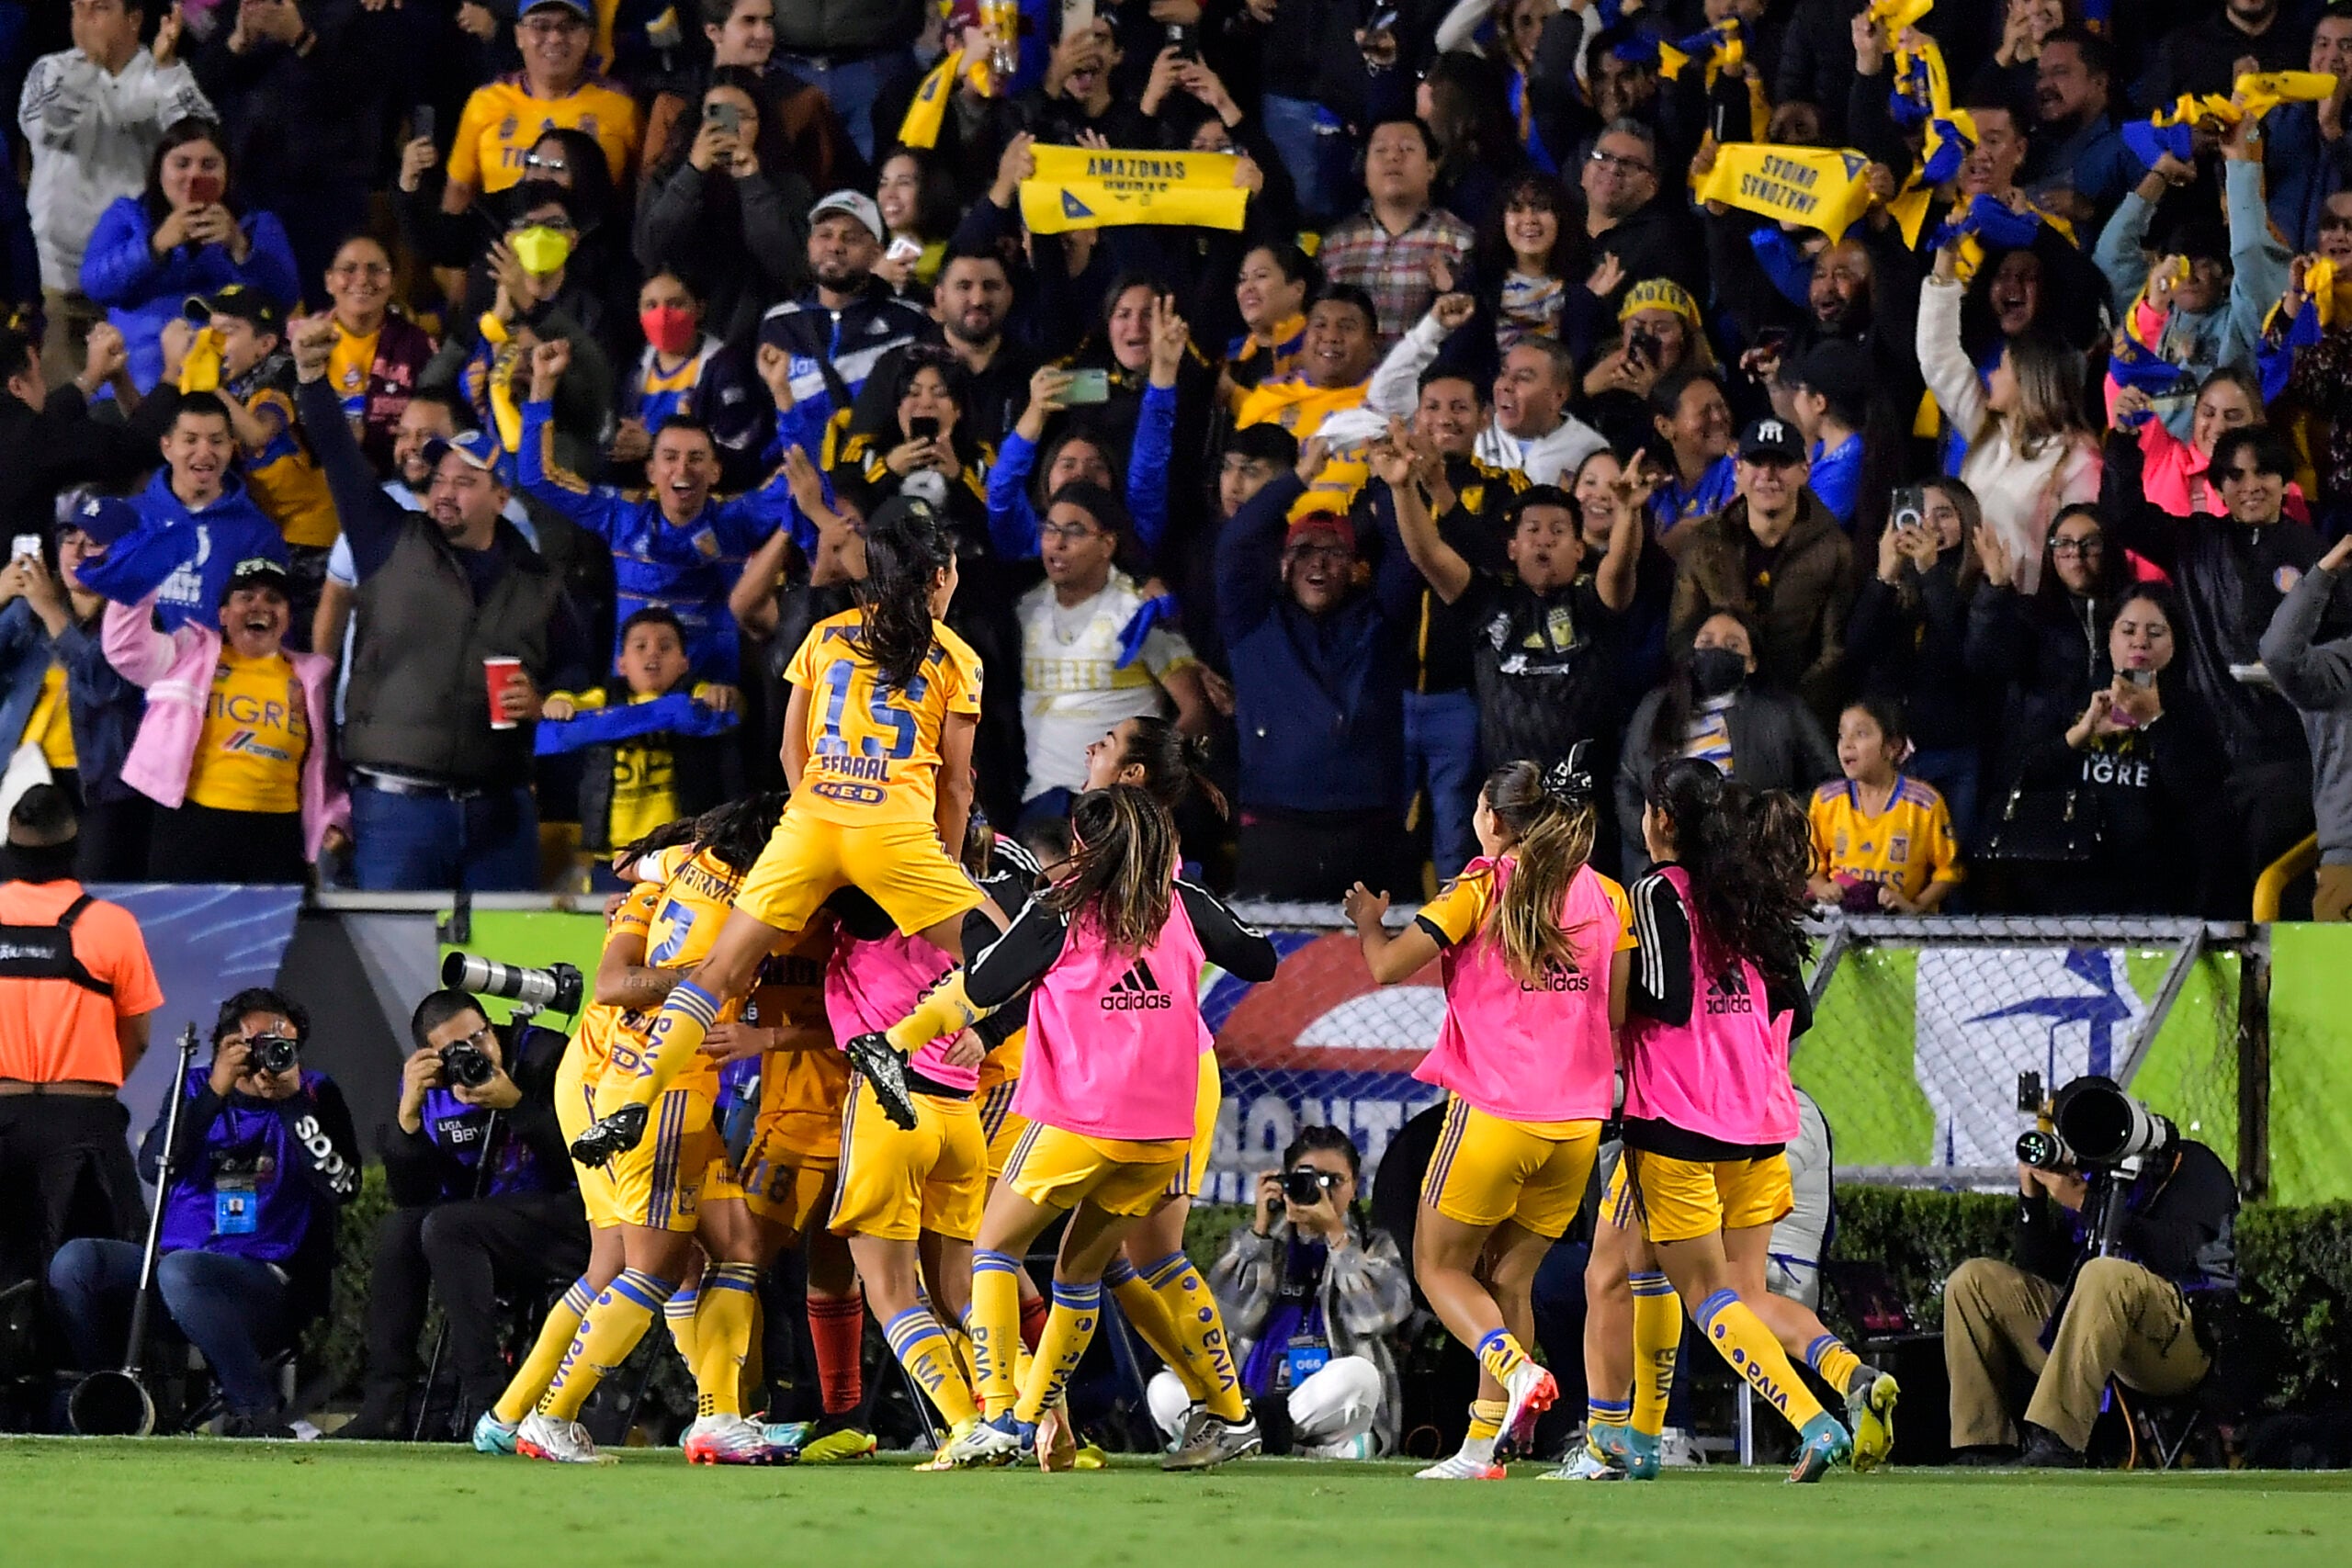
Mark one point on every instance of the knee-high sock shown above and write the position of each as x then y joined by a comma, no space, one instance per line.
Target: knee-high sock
730,1302
687,1013
1657,1340
944,1010
922,1346
1740,1337
1837,1365
1486,1428
1148,1316
1501,1353
1208,1359
532,1376
678,1316
615,1321
994,1320
1069,1327
837,1329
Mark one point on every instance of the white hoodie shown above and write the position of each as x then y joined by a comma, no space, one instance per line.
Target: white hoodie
92,136
1547,459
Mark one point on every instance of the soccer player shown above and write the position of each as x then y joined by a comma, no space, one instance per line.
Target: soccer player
1115,949
1534,947
1708,1101
878,738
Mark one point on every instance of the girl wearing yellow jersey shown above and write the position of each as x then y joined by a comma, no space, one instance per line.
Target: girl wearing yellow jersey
1881,841
877,740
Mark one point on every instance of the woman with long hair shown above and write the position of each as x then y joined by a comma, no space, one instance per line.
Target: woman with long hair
725,203
1271,290
1535,947
1709,1105
184,234
1463,100
2146,462
1115,950
916,195
1530,266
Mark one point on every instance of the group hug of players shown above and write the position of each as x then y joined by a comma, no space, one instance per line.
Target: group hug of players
954,1054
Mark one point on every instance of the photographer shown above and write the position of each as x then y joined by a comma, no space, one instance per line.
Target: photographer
1309,1292
2144,1314
264,1155
484,1197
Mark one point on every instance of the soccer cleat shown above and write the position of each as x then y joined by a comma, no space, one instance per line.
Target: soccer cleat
885,1069
1677,1450
726,1439
560,1442
837,1446
786,1439
1584,1465
1090,1456
975,1442
492,1436
1642,1458
1462,1466
1530,1390
609,1135
1869,1410
1825,1445
1217,1441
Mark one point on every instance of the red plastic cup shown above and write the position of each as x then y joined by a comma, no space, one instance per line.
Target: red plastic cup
499,673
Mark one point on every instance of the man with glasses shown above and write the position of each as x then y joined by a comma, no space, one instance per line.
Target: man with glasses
1626,218
484,1202
554,91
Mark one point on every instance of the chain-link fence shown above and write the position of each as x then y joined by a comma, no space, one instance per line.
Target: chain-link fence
1922,1028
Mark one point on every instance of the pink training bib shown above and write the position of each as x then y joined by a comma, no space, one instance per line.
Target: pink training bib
1724,1075
1531,1052
1116,1039
869,986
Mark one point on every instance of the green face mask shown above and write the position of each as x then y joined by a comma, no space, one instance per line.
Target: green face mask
540,249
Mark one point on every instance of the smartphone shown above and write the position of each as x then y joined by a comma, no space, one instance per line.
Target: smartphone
203,190
419,122
1910,507
1078,16
923,428
24,544
1088,387
2144,679
1180,39
725,115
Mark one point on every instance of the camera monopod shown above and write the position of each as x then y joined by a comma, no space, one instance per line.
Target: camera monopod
116,1404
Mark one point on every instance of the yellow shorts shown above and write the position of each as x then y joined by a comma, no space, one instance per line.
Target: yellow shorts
575,1107
895,1184
660,1182
900,865
1004,1128
1680,1199
784,1179
1487,1171
1617,1207
1059,1169
1208,1098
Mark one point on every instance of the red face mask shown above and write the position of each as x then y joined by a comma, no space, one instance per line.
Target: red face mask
669,327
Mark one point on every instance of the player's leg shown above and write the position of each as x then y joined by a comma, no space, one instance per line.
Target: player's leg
903,867
837,1335
1870,1393
1089,1243
1009,1224
1608,1352
1155,1242
892,1270
494,1433
726,1313
653,1260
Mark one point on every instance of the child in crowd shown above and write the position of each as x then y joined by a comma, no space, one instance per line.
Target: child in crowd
1880,842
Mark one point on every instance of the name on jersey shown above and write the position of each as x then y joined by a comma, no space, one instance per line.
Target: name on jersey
695,877
851,766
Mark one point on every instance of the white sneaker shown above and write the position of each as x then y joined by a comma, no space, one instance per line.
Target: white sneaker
1677,1450
981,1442
726,1439
1529,1390
1584,1465
1462,1465
564,1442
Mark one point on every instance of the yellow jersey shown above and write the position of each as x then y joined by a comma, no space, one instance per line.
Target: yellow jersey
256,730
1907,845
599,1019
801,1092
1300,407
51,724
873,750
502,120
1460,910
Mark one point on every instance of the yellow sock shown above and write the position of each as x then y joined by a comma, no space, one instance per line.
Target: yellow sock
1829,1356
532,1376
637,1076
1192,1311
1500,1354
678,1316
1487,1419
1658,1341
922,1346
961,1343
1148,1316
944,1010
994,1320
1069,1328
730,1299
615,1321
1740,1337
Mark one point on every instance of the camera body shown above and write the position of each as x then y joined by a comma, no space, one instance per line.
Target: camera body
1305,1186
466,1065
274,1054
559,987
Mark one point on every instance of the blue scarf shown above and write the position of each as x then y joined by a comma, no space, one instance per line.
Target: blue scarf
677,714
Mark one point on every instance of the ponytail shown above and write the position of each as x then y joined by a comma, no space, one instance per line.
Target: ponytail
1175,764
906,549
1552,825
1122,867
736,832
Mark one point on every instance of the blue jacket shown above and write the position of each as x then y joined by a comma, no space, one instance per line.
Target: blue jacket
1013,516
688,571
102,706
142,291
1317,700
2303,170
183,558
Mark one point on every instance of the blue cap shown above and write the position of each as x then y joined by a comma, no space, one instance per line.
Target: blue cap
478,449
105,518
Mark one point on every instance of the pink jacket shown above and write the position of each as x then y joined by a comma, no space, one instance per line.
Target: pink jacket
176,669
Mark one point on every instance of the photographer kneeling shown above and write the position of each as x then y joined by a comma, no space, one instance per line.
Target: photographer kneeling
485,1200
266,1155
1309,1293
2142,1309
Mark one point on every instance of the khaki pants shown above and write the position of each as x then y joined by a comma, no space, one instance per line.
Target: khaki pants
2332,897
2122,1323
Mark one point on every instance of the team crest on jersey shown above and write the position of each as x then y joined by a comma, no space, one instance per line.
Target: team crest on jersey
507,128
707,544
587,124
1898,847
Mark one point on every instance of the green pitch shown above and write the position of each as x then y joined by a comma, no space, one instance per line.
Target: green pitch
190,1504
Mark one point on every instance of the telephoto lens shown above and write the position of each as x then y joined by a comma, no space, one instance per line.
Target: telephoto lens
467,1065
559,987
274,1054
2104,1125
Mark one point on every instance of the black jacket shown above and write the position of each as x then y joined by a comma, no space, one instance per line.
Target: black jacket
42,452
2042,653
1916,653
419,1171
1776,743
2151,794
2181,1223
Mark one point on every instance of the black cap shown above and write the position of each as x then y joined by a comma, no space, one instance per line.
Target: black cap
258,571
1771,441
1835,369
241,300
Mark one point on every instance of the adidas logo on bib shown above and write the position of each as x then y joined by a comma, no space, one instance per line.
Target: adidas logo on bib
1136,990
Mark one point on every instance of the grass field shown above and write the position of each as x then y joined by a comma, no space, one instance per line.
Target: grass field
190,1504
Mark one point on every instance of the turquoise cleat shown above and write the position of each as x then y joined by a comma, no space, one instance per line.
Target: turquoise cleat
1825,1445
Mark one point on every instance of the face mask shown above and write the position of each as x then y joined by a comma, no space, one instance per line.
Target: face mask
668,328
1715,671
540,249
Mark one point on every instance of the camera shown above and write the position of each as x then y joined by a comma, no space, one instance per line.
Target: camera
274,1054
467,1064
2105,1127
557,986
2041,1148
1306,1185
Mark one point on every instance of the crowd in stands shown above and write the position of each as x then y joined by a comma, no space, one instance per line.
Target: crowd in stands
429,423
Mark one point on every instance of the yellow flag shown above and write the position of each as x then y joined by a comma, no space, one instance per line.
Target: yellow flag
2263,91
1896,15
1818,187
1084,188
929,111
